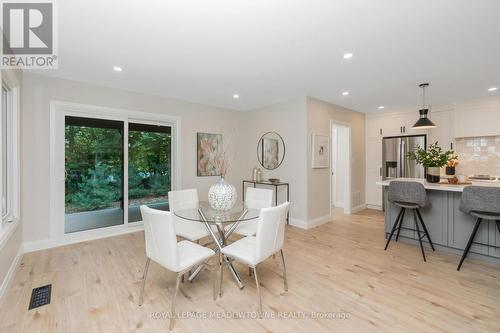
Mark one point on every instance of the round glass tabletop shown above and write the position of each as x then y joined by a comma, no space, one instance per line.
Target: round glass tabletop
238,213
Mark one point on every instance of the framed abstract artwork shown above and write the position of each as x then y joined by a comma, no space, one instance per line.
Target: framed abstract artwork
208,147
320,151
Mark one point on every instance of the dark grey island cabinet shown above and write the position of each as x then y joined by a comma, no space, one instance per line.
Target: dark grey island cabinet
448,227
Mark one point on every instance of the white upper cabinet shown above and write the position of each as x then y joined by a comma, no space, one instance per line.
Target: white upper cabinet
399,124
374,127
444,131
472,121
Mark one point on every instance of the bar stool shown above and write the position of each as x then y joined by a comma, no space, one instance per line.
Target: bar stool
483,203
409,195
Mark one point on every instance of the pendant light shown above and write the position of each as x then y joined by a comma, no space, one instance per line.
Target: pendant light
423,122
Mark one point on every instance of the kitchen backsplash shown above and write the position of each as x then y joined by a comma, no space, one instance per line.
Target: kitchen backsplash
480,155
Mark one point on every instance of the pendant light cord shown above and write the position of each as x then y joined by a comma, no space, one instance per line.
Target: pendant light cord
423,97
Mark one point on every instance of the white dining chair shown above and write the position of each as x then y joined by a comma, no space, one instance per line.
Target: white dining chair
252,250
186,199
162,247
255,198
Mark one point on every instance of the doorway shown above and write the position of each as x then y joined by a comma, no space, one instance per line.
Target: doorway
340,166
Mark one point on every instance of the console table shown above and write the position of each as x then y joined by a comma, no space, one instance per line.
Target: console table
276,186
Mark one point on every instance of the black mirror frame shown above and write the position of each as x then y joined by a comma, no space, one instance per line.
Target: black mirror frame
284,150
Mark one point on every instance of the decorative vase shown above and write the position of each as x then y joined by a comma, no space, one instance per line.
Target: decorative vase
432,175
222,196
450,171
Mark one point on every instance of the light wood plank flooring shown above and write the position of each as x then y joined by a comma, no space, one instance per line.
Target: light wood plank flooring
336,267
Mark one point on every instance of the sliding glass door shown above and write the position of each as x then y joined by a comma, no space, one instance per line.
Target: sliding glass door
149,168
94,173
95,195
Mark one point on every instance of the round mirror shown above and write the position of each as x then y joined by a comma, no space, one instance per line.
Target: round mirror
271,150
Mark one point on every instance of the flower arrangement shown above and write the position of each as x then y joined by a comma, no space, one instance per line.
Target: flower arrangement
222,162
452,163
434,156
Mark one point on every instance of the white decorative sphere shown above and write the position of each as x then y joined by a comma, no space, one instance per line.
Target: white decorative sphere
222,196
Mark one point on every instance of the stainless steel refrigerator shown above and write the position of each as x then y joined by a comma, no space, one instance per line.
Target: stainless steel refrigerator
395,161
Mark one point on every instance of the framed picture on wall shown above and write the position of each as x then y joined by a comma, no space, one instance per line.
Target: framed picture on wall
208,147
320,149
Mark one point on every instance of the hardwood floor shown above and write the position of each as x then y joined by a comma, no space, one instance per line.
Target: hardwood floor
337,267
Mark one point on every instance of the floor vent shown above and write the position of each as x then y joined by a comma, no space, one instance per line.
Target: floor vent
40,296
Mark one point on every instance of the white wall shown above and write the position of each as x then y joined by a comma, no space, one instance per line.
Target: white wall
38,91
294,120
319,114
288,119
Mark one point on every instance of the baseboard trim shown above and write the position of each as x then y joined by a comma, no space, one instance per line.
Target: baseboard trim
376,207
11,272
358,208
48,243
298,223
319,221
309,224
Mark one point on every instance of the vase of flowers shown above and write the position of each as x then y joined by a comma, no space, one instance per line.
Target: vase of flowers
450,167
432,159
222,195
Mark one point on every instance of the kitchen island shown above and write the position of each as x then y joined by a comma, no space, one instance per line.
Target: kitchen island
448,227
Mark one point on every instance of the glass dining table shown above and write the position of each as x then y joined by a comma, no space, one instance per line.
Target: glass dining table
220,225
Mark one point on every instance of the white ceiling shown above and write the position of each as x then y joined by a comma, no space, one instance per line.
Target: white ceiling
271,50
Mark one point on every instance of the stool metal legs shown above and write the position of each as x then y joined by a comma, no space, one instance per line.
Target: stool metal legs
418,234
398,225
398,219
471,239
425,229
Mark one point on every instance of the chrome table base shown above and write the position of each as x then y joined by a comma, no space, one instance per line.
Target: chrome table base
220,242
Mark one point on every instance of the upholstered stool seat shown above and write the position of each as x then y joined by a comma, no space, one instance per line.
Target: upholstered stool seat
413,196
481,202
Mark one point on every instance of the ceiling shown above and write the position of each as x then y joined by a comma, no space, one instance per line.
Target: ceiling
272,50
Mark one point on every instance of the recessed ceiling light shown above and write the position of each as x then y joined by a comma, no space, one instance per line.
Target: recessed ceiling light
381,107
345,93
348,55
493,89
236,96
117,68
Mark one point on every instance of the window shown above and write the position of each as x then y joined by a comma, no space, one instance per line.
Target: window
6,152
95,164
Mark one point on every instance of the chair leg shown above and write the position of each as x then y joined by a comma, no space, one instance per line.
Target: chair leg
401,219
143,283
285,282
172,309
258,289
418,234
393,228
249,271
221,261
425,229
471,239
498,225
215,282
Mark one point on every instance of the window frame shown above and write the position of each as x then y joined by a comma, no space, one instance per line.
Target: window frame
12,214
58,111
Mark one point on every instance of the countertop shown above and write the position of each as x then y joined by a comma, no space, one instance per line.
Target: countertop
442,187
